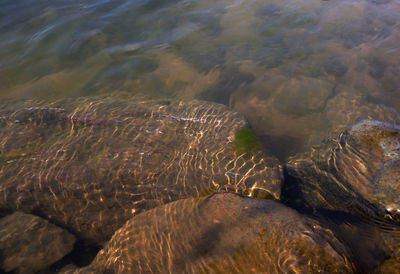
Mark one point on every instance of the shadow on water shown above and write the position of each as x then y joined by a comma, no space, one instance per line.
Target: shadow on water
291,194
362,237
82,255
281,146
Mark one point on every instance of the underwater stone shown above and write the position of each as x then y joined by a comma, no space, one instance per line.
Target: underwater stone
303,95
335,67
358,172
270,10
117,73
91,164
29,243
377,68
222,233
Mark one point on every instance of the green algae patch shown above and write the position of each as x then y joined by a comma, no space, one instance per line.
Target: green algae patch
246,141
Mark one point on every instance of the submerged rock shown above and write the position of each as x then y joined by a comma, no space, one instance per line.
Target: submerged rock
389,266
335,66
222,233
283,107
29,243
90,164
358,172
300,112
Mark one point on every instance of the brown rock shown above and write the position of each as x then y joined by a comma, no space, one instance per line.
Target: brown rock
91,164
358,172
222,233
29,243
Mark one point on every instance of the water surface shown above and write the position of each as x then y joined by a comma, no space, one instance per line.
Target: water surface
299,70
282,63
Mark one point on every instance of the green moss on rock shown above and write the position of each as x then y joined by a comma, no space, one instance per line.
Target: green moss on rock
246,141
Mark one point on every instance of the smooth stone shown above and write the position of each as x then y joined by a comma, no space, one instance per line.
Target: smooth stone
91,164
222,233
29,243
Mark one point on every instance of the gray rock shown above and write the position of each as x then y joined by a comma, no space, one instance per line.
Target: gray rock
29,243
222,233
91,164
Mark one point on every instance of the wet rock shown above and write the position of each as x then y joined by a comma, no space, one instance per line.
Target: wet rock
29,243
174,77
350,14
349,107
222,233
335,67
377,68
358,172
91,164
69,268
195,50
72,269
389,266
283,107
391,81
355,173
116,74
229,80
305,110
302,96
272,52
269,10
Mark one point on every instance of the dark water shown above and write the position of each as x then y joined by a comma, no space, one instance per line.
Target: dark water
299,70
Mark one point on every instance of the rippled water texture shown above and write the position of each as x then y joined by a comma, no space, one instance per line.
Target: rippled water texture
296,73
296,69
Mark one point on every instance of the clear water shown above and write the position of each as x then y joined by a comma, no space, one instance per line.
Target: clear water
299,70
295,68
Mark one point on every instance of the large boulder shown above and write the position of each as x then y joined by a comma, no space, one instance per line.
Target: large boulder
357,172
29,243
91,164
223,232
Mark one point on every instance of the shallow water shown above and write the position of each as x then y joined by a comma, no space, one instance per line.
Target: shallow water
299,70
281,63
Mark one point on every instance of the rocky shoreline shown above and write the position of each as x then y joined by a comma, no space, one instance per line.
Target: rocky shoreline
184,186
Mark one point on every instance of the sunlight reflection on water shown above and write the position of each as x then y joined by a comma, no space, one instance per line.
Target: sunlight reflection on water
298,70
212,51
